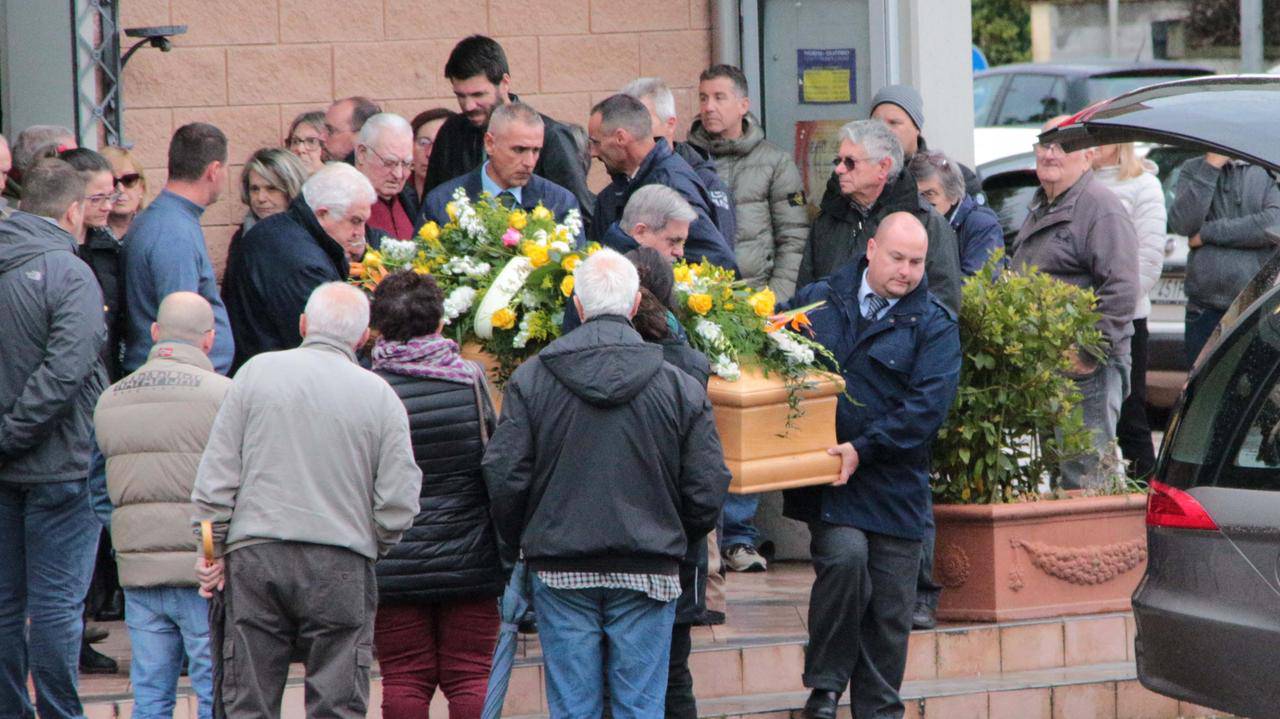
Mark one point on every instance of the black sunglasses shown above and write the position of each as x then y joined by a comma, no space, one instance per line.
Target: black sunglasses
129,180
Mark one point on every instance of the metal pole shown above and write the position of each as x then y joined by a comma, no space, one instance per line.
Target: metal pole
1251,36
725,43
1113,28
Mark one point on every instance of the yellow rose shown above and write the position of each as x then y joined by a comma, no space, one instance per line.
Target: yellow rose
430,232
682,273
422,269
700,303
504,319
372,259
452,210
542,213
593,248
517,219
695,270
566,285
570,263
763,302
726,293
537,254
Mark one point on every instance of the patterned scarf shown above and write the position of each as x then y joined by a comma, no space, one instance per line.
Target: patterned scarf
432,356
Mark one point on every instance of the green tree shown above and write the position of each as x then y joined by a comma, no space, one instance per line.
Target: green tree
1002,29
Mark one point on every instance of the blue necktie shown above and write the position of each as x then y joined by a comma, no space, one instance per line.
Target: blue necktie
875,304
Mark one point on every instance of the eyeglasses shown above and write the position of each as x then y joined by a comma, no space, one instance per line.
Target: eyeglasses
424,142
1051,148
391,163
848,162
107,199
129,181
312,143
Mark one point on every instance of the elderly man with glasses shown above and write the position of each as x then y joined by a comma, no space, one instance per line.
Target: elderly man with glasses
1079,232
869,170
384,154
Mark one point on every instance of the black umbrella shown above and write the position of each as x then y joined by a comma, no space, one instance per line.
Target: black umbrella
1232,115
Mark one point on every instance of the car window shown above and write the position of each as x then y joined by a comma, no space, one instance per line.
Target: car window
1169,160
985,90
1196,424
1009,195
1032,100
1101,88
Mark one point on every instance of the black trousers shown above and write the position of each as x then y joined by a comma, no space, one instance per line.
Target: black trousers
860,616
1133,430
680,701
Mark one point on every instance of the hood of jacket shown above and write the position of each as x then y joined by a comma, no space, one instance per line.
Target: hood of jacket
752,135
604,362
898,195
25,236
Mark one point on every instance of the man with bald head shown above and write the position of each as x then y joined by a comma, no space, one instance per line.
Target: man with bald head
1079,232
513,144
152,427
899,352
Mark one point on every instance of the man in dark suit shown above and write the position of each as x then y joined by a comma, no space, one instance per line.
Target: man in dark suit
513,143
481,79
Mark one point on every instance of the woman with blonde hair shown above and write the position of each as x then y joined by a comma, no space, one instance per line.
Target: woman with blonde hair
1134,180
131,183
270,180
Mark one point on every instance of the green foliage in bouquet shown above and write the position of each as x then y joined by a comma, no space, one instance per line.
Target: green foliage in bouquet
1015,416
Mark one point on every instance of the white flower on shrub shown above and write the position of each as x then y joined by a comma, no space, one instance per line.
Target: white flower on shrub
398,252
458,302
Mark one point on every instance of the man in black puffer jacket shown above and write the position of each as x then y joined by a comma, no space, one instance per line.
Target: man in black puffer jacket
602,517
437,615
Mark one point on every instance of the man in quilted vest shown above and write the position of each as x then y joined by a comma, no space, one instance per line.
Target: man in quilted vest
152,427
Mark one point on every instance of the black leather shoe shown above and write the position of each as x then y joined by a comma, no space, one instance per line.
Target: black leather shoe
93,662
821,704
924,616
94,633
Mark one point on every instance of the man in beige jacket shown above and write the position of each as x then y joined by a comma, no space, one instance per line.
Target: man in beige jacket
308,478
152,427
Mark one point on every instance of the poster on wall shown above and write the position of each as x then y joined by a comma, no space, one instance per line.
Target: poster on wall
817,143
825,76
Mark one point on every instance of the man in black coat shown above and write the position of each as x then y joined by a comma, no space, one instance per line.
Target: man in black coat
620,133
603,520
277,264
481,79
869,184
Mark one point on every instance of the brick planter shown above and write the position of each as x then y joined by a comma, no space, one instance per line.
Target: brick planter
1002,562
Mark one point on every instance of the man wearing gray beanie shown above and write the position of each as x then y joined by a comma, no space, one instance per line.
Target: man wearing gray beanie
902,109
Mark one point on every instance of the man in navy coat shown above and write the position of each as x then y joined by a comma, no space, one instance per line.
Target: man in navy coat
899,352
513,144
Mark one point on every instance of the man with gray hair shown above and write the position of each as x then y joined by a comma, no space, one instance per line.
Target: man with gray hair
308,477
620,134
512,144
35,143
654,94
278,263
384,154
873,185
604,584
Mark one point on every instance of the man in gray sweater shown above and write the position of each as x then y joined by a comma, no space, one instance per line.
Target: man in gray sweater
308,478
1229,211
1078,232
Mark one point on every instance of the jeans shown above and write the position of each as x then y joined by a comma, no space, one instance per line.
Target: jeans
860,616
424,646
1102,391
739,511
163,623
681,703
98,497
928,590
1133,432
1201,322
48,539
587,634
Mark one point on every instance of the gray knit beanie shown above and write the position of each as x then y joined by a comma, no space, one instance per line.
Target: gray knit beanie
905,97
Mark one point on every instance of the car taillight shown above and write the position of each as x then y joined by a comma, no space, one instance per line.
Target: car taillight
1171,507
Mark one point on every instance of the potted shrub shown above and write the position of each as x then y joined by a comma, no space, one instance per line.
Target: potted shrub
1011,544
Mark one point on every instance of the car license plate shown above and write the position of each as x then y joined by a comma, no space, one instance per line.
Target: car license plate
1170,291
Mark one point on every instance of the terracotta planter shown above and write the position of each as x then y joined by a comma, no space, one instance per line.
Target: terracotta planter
1001,562
751,415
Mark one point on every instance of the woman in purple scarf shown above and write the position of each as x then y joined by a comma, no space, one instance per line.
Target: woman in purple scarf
437,589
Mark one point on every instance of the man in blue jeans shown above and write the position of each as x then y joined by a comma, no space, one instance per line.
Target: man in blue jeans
50,376
152,427
603,487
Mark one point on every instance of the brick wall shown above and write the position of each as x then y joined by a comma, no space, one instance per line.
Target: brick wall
250,66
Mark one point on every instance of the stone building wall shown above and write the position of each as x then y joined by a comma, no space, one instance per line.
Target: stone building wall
250,66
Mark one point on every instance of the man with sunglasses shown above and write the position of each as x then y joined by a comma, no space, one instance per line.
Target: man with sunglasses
384,154
873,185
1079,232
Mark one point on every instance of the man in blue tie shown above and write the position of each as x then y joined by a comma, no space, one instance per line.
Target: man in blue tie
899,352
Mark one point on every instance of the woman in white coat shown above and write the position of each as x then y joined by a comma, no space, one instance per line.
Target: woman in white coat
1134,181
